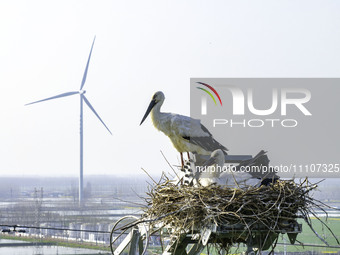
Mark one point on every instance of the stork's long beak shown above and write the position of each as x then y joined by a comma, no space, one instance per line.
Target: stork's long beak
151,105
210,162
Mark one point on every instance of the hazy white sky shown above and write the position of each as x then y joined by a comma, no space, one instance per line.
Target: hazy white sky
141,47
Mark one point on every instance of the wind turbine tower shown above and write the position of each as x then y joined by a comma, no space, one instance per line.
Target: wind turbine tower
83,99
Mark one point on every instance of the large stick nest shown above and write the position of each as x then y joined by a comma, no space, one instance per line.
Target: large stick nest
273,207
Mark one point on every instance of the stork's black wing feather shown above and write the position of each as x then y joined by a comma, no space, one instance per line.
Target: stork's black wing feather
208,143
261,161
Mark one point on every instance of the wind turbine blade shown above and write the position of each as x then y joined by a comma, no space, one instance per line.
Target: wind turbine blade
94,111
87,66
57,96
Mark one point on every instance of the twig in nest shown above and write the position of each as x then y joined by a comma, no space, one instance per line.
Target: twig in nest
169,164
149,176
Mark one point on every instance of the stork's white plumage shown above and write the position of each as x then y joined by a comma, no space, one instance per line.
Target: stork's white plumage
215,173
186,134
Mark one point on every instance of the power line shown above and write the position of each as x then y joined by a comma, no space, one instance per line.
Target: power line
62,229
311,245
51,228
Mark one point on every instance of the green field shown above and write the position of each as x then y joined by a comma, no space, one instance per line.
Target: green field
308,237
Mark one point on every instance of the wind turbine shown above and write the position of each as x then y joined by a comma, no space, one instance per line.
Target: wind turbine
81,93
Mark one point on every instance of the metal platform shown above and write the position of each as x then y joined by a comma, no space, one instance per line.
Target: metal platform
194,241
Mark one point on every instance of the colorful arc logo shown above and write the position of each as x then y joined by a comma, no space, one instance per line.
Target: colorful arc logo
209,93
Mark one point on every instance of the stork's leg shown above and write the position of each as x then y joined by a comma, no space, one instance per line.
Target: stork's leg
188,155
182,159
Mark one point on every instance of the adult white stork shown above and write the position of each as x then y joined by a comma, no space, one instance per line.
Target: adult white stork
213,171
186,134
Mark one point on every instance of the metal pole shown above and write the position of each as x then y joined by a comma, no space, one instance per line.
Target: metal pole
284,246
81,153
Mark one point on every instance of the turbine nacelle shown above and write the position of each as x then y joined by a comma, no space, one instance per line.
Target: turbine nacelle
82,92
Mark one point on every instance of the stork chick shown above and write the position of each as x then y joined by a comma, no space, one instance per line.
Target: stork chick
219,176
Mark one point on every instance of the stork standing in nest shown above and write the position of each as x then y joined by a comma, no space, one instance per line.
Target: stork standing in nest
186,134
